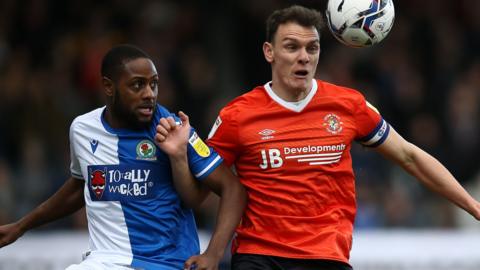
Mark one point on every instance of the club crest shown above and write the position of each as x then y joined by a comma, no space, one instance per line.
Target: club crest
146,150
332,123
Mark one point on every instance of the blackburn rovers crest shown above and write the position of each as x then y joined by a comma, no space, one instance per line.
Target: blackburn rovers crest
146,150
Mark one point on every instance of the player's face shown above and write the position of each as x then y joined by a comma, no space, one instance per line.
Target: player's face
294,55
136,93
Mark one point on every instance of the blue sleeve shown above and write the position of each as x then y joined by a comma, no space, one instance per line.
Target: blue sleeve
202,159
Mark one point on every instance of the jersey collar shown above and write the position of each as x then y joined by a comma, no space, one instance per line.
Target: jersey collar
294,106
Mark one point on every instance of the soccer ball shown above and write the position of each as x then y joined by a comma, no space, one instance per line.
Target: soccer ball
360,23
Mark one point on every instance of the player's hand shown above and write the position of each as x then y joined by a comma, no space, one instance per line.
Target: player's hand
172,138
9,233
204,261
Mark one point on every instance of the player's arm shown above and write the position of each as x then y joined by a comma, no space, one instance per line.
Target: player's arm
68,199
427,170
233,199
172,138
191,191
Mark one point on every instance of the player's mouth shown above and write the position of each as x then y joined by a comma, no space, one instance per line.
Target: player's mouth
301,74
146,110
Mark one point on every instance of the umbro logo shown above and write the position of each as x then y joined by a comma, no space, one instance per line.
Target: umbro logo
266,134
94,145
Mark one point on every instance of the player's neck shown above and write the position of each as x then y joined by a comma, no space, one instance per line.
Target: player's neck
290,94
111,120
120,121
115,121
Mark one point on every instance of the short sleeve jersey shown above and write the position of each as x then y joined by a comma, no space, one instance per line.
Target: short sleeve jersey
294,160
135,217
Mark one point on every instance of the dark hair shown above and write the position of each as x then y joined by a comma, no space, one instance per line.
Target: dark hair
297,14
117,56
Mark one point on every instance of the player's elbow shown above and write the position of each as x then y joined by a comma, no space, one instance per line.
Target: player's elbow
415,161
404,156
194,199
227,186
240,194
234,192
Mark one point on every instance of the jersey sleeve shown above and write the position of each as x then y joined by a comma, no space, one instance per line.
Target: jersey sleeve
223,136
202,159
372,129
75,168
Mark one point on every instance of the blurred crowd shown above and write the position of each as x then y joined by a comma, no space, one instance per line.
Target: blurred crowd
424,78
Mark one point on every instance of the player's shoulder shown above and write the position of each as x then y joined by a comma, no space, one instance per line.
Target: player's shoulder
339,91
162,111
252,99
90,118
88,123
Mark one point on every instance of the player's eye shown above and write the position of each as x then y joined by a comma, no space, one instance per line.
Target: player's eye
154,84
138,85
291,47
313,49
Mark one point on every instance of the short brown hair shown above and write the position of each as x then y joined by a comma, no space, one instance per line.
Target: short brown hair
297,14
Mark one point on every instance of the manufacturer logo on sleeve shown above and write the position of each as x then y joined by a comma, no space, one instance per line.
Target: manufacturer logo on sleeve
146,150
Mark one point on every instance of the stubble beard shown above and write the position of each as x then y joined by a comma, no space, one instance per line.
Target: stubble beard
124,115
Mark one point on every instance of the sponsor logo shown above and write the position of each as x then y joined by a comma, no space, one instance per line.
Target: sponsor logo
310,154
97,183
266,134
146,150
120,183
332,123
198,145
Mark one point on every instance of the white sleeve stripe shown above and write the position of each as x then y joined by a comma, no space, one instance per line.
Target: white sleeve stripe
378,135
208,167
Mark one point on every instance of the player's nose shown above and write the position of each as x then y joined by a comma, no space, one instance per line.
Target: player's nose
148,93
304,57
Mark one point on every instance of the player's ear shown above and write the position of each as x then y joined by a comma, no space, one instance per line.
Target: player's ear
107,86
268,51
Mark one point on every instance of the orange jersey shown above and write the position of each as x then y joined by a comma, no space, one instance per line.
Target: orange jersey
294,160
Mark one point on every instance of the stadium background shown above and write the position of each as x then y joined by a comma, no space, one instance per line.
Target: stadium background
424,78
